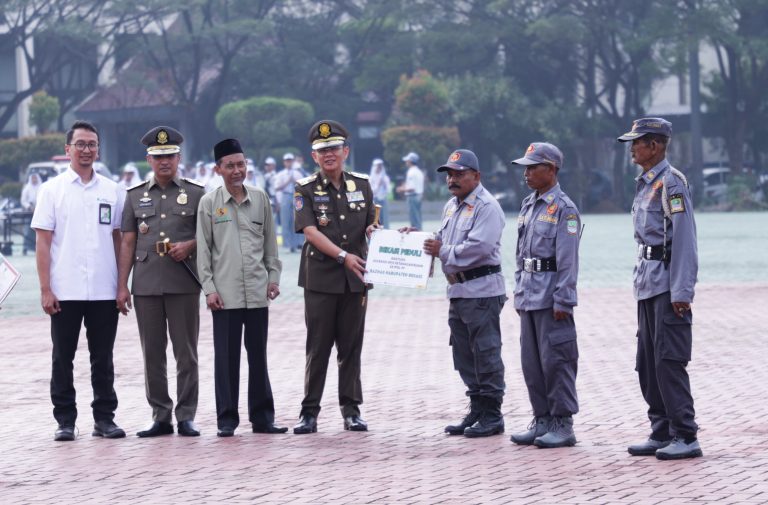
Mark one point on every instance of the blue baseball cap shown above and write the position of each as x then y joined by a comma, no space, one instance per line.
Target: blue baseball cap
640,127
461,159
541,152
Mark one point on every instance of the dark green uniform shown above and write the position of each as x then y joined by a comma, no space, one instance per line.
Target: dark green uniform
165,293
335,299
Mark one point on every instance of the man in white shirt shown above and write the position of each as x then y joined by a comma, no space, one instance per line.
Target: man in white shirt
413,188
77,222
286,180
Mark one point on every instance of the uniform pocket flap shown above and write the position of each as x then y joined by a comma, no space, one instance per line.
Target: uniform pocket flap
141,212
141,255
562,335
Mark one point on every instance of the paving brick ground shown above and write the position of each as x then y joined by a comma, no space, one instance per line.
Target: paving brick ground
411,392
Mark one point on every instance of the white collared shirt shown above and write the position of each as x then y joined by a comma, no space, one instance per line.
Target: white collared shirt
81,217
414,181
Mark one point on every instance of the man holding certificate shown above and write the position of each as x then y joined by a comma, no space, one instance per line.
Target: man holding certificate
334,210
469,247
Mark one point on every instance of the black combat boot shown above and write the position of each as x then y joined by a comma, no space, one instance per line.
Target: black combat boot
469,419
491,421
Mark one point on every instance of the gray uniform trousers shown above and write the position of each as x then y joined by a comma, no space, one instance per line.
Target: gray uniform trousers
476,344
181,313
549,356
663,352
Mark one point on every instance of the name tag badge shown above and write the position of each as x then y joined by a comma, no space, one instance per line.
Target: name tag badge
355,196
321,198
105,213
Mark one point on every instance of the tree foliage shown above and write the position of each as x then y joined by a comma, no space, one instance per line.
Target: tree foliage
265,121
43,111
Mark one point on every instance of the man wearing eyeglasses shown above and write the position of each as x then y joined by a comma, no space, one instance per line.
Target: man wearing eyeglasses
77,222
159,225
240,272
334,209
664,282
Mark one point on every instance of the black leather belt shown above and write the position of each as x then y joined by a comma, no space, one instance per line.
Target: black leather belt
474,273
539,265
656,252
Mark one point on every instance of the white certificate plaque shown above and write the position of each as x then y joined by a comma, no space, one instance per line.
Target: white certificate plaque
9,276
398,259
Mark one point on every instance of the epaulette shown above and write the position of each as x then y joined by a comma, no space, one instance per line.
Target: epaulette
138,185
192,181
359,175
307,180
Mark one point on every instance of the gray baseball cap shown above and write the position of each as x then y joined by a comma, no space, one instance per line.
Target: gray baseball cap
541,152
461,159
412,157
640,127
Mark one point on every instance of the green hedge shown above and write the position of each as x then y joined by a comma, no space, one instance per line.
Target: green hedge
433,144
16,154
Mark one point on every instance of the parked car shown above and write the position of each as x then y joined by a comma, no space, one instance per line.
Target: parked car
44,169
715,183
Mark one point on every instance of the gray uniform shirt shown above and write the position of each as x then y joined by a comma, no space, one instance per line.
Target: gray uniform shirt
548,227
471,237
236,248
653,277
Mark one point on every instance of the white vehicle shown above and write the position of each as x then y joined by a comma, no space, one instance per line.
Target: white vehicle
716,183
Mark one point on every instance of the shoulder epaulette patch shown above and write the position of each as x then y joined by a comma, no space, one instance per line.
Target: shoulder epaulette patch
359,175
307,180
192,181
136,185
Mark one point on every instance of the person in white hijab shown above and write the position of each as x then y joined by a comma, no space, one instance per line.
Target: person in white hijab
380,185
130,177
201,173
29,192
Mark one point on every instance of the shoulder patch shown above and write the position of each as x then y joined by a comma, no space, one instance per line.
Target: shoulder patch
306,180
676,203
359,175
137,185
192,181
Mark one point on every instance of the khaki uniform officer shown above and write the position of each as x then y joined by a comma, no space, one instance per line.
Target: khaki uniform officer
158,226
334,209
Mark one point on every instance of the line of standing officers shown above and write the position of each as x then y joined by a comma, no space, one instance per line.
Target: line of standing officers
179,241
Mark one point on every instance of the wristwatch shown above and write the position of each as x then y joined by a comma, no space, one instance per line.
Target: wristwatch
341,256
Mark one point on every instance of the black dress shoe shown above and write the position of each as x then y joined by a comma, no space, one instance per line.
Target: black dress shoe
157,429
226,431
188,429
355,423
64,433
270,428
307,424
107,429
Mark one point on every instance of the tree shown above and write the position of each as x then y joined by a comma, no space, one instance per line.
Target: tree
43,111
57,36
265,121
422,121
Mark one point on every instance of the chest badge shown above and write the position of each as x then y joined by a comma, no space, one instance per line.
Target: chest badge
351,186
143,227
551,209
182,199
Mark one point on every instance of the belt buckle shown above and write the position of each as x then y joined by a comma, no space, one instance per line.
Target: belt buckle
528,264
649,252
161,248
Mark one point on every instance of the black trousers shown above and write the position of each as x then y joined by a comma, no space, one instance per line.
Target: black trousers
227,335
100,318
334,319
663,352
476,344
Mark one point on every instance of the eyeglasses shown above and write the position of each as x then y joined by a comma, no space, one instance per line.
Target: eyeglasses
80,145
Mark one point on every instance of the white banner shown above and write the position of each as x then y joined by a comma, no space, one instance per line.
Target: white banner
398,259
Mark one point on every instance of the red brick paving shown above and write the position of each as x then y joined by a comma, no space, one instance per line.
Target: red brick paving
411,391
